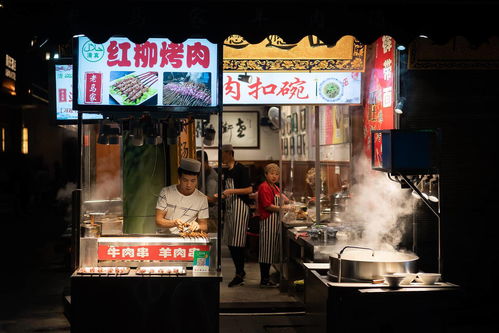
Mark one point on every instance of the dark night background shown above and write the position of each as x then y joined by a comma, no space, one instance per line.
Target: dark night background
462,103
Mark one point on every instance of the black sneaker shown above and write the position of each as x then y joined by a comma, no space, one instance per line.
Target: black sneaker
236,281
268,284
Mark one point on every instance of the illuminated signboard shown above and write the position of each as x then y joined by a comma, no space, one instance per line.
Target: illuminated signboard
292,88
61,93
8,77
157,75
64,95
380,96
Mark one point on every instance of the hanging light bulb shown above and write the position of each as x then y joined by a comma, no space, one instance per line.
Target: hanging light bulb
418,186
114,136
137,135
103,138
433,194
209,135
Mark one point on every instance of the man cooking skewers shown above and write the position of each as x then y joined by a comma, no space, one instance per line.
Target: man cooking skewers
179,206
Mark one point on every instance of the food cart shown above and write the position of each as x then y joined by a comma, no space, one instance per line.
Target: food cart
127,275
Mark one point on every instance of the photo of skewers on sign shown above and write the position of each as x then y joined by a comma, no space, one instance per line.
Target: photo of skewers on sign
132,88
187,89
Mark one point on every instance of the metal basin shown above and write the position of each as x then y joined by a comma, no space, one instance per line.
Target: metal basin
361,265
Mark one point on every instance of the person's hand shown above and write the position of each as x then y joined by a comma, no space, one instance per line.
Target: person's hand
226,193
194,226
178,222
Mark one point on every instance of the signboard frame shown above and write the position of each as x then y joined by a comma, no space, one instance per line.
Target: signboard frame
155,110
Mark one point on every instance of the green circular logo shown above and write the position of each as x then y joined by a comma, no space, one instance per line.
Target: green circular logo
92,52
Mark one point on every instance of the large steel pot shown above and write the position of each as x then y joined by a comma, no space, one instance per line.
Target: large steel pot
356,264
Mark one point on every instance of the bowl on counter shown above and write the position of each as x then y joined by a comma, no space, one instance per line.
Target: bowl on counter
408,277
393,280
429,278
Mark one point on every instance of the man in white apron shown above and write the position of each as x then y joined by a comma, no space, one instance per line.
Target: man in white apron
236,189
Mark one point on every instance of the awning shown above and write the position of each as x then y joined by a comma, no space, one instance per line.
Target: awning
254,20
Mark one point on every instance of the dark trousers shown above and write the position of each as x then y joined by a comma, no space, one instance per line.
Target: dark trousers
237,254
264,272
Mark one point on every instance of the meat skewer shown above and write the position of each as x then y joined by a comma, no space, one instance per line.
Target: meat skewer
137,94
133,88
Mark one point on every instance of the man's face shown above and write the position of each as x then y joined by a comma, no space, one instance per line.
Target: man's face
188,184
226,156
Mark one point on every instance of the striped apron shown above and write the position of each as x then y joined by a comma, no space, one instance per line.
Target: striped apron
269,246
235,219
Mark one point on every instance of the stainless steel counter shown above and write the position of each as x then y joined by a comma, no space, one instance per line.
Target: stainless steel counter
314,250
367,307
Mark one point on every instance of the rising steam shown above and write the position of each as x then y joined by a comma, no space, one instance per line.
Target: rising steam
377,203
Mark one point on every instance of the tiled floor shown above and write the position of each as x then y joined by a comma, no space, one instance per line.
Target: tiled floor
250,291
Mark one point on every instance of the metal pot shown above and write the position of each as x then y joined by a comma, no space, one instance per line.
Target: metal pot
90,230
363,264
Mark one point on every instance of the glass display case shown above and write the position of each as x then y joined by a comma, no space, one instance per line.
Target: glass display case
123,172
154,280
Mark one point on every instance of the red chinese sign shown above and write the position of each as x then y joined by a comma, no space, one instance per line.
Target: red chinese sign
292,88
149,252
153,75
93,88
379,103
149,54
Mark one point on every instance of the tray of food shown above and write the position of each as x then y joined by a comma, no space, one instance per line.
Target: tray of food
104,270
134,89
161,270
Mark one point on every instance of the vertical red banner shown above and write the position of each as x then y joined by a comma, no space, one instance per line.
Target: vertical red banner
380,95
93,88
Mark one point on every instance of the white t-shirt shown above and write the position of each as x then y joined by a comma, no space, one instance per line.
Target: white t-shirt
182,207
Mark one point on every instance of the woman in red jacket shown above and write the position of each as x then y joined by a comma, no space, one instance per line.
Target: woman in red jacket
268,208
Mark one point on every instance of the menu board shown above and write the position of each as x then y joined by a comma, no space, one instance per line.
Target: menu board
157,75
292,88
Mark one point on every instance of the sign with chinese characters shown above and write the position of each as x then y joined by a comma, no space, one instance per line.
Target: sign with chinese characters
149,252
292,88
154,75
379,97
8,77
64,95
240,129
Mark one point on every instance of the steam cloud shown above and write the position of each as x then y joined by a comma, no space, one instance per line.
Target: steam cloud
378,203
64,193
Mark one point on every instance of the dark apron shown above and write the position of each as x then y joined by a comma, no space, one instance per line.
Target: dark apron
236,218
269,246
